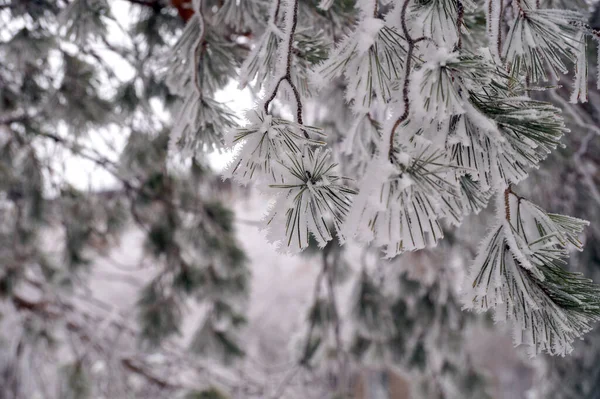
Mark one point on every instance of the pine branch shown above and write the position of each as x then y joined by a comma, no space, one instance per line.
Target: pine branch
543,39
287,76
500,25
275,15
459,22
199,50
518,273
406,83
495,25
161,382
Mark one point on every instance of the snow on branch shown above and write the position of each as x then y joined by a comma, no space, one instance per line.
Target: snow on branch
542,39
519,274
370,58
311,197
428,125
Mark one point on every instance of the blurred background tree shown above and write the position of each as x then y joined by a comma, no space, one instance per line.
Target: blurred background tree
78,88
86,115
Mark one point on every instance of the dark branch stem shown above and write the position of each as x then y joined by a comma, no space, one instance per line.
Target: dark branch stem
507,194
500,18
149,376
405,88
298,103
490,11
198,53
273,94
459,22
490,19
288,69
276,12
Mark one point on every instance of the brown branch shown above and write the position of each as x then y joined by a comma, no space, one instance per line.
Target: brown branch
499,40
276,13
162,383
288,70
273,94
460,20
198,55
405,88
489,13
298,102
507,194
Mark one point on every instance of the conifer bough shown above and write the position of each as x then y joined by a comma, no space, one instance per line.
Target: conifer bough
444,122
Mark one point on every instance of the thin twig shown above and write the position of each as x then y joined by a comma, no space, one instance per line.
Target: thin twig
288,70
459,22
199,52
507,193
499,39
405,88
276,12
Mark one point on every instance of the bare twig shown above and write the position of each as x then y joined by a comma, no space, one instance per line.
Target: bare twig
460,20
507,193
199,52
500,26
288,70
406,85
